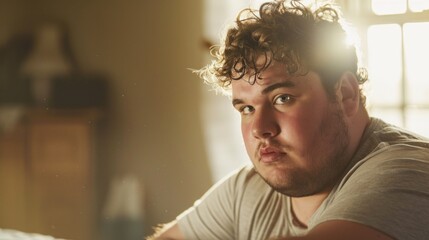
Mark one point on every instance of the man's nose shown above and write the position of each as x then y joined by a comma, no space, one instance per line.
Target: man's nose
265,124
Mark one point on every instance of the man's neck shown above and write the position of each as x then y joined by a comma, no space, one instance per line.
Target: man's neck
303,208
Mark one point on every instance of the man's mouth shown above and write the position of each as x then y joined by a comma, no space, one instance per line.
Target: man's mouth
270,154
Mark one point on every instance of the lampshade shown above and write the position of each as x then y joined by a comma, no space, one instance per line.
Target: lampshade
47,57
45,61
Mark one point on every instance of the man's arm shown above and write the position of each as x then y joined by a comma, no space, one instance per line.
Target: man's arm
169,231
340,230
331,230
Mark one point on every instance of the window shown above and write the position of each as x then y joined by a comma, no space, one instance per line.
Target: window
384,7
395,42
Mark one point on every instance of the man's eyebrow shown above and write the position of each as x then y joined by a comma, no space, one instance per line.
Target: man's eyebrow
286,84
236,101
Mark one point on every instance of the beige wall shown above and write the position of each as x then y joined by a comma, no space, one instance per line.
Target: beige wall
153,127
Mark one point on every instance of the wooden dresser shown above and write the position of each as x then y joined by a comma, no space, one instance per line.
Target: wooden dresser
47,177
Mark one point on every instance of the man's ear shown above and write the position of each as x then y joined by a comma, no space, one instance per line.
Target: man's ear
348,93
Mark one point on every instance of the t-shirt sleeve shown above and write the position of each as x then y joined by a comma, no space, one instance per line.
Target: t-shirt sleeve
389,192
212,216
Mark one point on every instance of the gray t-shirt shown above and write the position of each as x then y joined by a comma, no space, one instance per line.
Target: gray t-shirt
386,187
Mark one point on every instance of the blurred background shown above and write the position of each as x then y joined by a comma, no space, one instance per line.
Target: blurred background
104,130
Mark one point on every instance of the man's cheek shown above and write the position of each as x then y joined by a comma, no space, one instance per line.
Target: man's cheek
246,132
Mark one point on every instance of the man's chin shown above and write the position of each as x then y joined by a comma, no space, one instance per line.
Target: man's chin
287,185
292,192
279,181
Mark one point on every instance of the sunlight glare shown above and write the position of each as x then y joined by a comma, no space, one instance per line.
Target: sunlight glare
416,41
392,116
418,5
384,7
417,120
384,64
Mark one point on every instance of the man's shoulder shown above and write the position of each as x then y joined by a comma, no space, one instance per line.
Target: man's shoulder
385,182
382,132
400,152
390,167
384,143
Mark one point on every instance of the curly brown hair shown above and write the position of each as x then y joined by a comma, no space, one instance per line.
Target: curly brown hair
290,33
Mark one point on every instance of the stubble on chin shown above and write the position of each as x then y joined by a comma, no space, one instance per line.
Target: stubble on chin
281,183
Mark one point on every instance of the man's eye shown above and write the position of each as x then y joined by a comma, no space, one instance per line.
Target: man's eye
282,99
246,110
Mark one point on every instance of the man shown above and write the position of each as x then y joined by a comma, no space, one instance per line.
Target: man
321,167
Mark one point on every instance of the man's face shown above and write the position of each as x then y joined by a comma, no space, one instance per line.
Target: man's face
294,134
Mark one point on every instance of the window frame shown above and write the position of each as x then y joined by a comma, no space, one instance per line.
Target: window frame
361,17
